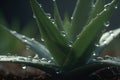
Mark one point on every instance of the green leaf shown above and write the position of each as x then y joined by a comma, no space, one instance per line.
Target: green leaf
97,8
67,25
108,39
88,35
80,17
57,44
57,17
29,61
34,45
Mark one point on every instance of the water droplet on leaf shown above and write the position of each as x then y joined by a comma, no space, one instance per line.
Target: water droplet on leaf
44,59
107,24
71,18
29,58
42,39
13,32
24,67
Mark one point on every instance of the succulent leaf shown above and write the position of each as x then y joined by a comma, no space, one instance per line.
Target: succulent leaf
34,45
29,61
97,8
107,39
57,17
57,44
88,35
80,17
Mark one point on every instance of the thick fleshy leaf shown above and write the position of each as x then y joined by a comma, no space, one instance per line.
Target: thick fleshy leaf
57,44
57,17
97,8
29,61
40,49
96,64
67,25
80,17
88,35
109,38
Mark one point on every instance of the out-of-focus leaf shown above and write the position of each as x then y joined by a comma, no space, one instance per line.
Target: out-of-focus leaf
40,49
97,8
29,61
67,25
57,44
57,17
80,17
88,35
107,39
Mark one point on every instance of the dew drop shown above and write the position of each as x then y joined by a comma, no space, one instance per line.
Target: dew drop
34,16
24,67
29,58
21,59
107,24
57,72
13,32
25,40
42,39
52,58
54,0
36,56
63,33
32,39
49,61
70,45
44,59
97,45
94,54
116,6
40,5
48,15
99,58
71,18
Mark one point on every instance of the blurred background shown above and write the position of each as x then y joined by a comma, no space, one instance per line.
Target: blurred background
17,15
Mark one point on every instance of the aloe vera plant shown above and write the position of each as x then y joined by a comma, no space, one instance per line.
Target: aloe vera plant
70,48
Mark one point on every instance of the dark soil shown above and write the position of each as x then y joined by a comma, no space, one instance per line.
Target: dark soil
12,71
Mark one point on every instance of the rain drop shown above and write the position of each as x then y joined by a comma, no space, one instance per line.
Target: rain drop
99,58
13,32
107,57
21,59
71,18
48,15
116,6
63,33
25,40
32,39
34,16
97,45
29,58
70,45
52,58
107,24
23,36
94,54
42,39
44,59
40,5
24,67
49,61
